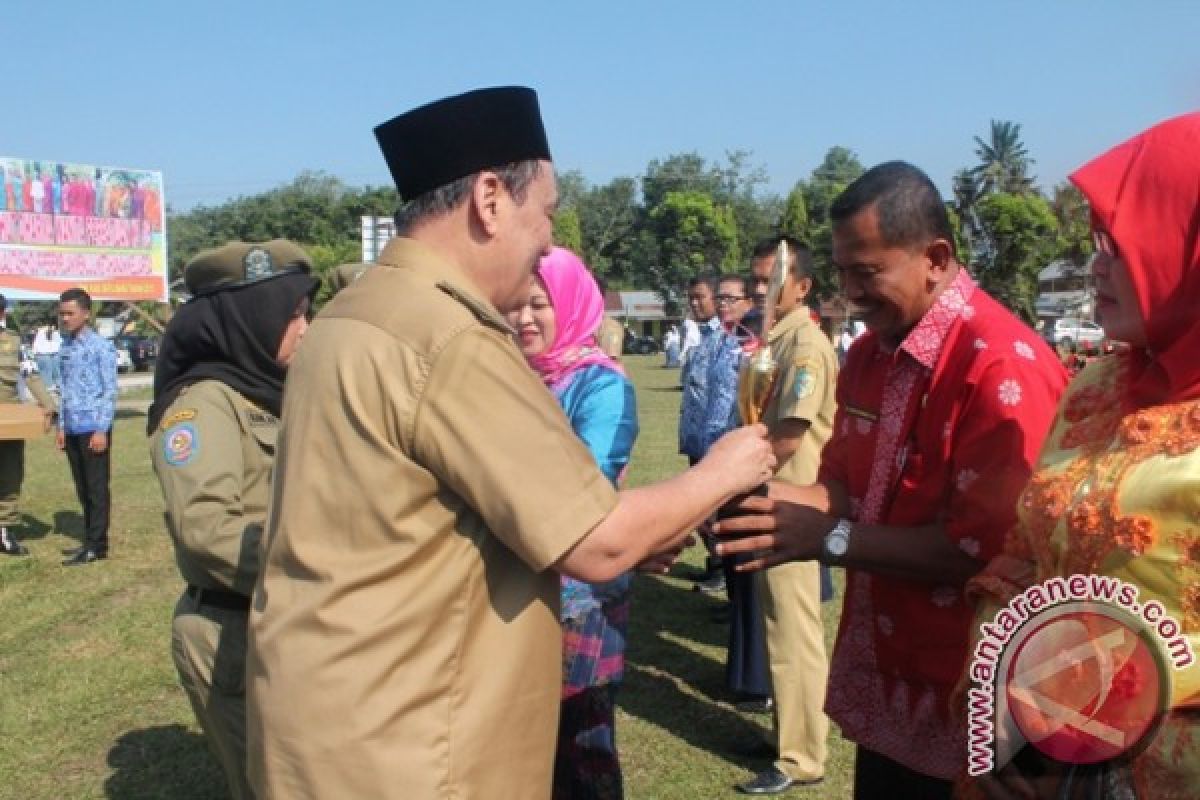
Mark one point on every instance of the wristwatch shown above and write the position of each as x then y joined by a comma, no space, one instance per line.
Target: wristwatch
837,541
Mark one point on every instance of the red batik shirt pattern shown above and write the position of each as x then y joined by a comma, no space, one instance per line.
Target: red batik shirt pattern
944,429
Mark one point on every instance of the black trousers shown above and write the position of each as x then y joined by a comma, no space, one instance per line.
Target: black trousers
90,471
877,777
747,670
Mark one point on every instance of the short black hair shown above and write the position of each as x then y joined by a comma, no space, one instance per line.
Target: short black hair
911,211
708,279
802,260
77,296
746,281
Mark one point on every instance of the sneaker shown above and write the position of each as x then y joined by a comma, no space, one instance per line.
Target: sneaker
713,584
9,545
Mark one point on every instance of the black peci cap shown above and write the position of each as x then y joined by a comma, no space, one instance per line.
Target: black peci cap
450,138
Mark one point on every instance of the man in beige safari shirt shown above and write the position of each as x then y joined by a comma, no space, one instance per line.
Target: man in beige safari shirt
404,634
800,420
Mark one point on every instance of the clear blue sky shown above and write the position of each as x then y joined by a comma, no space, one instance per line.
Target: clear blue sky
230,98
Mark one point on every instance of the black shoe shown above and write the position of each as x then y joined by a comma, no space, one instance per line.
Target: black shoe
9,546
713,584
695,574
84,556
72,551
755,705
773,781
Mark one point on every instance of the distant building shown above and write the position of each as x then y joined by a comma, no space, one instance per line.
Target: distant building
1065,290
643,312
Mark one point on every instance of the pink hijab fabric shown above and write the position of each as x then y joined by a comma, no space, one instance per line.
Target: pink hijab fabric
578,310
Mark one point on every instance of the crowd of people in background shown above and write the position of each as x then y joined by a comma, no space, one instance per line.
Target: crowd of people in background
50,188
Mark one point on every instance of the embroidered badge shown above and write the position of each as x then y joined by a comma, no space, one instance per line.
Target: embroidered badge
259,418
180,444
257,264
807,371
183,415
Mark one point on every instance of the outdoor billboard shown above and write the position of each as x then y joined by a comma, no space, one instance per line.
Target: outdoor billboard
64,225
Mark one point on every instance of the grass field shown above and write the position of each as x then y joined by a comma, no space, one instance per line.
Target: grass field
89,702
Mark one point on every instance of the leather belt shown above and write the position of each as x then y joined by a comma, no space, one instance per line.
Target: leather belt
218,599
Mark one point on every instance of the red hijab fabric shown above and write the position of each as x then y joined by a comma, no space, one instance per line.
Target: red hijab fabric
578,312
1146,194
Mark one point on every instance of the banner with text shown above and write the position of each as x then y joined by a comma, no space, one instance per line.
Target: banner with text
99,228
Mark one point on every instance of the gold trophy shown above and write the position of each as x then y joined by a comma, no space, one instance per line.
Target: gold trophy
756,381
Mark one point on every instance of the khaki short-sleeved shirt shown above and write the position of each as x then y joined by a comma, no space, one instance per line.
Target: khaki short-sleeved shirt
611,337
10,372
804,389
404,637
212,454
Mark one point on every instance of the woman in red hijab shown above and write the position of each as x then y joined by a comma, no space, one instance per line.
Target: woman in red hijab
1104,698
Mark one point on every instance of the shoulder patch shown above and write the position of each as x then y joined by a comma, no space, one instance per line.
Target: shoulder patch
180,444
260,418
183,415
808,372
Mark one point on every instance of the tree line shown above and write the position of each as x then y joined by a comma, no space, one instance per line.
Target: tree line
686,214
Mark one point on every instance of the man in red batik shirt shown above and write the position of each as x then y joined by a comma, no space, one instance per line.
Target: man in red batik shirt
942,408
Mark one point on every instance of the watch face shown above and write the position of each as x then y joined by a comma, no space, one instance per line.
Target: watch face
837,545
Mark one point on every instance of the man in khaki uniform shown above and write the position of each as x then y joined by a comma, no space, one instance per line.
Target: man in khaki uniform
800,420
610,337
404,638
212,428
12,452
343,275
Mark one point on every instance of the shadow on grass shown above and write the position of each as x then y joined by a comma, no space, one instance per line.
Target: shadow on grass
69,523
671,683
30,527
125,412
168,762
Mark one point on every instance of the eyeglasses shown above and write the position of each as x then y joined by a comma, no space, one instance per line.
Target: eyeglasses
729,299
1104,243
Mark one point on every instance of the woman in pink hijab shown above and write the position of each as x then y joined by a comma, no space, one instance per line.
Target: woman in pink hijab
556,331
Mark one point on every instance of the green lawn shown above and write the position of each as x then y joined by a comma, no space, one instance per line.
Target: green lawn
90,706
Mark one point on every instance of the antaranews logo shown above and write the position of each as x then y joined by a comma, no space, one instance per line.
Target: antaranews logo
1075,666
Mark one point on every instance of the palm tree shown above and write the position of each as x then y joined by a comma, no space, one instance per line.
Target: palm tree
1003,161
968,191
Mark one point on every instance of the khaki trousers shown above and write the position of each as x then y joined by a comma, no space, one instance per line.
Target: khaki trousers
790,595
12,473
208,646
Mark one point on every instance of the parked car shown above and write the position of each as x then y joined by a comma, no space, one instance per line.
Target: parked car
142,350
640,345
1069,330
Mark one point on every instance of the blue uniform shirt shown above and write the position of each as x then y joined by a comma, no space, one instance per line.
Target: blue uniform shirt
88,366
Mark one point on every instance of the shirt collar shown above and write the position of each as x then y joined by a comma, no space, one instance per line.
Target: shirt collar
405,253
798,317
926,340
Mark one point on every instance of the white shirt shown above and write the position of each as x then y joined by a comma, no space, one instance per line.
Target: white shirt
46,344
